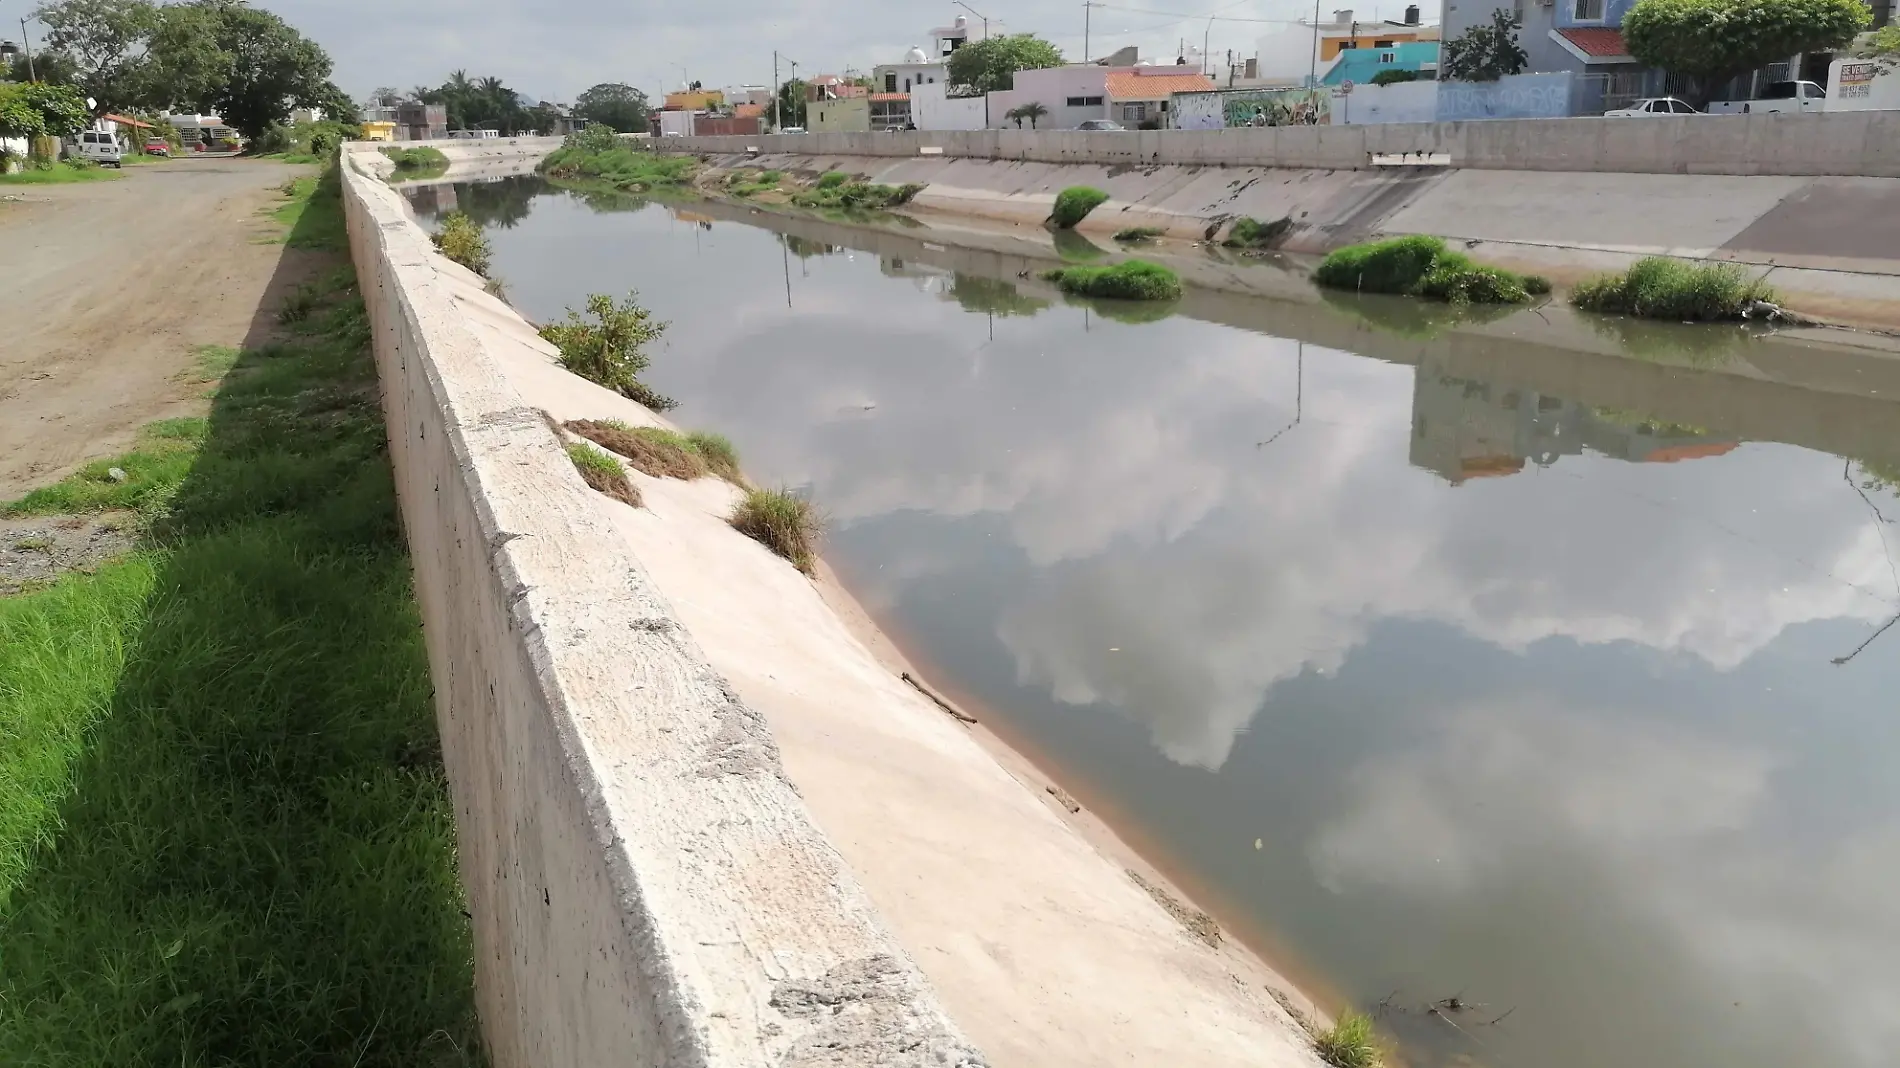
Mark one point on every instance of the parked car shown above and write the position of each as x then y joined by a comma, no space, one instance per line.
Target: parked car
1655,105
101,148
158,146
1778,96
1101,125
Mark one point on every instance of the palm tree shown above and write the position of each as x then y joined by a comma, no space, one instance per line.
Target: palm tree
1031,111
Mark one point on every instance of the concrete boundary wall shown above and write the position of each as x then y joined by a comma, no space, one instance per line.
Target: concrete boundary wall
1857,143
646,887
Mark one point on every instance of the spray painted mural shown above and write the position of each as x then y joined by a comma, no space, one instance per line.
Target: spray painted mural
1251,107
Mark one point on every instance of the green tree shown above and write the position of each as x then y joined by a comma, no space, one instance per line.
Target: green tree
1886,42
1032,111
272,68
990,66
1486,53
106,40
36,110
1393,77
1715,41
615,104
791,103
55,68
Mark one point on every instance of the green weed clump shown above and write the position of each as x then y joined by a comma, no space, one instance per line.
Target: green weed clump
610,349
1074,204
226,834
602,473
1253,234
1419,266
752,183
717,451
597,156
1349,1044
460,239
417,159
859,195
833,179
1139,233
662,453
782,522
1659,288
1128,280
1536,285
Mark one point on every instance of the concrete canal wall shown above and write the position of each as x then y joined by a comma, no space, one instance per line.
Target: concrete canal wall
1865,144
646,886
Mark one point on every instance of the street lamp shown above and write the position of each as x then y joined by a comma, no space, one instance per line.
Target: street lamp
978,14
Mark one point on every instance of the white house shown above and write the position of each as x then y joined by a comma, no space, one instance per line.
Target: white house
916,69
1071,95
931,108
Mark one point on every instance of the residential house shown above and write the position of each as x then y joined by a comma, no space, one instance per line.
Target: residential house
916,69
832,87
889,111
850,114
1070,95
409,120
1360,65
1144,95
695,99
1297,54
952,37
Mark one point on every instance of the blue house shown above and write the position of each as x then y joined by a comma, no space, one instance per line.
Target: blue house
1358,65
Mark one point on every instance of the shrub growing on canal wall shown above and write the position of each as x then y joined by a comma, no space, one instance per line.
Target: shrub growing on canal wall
461,240
609,349
861,195
1128,280
1661,288
1419,266
782,522
1074,204
416,159
1349,1043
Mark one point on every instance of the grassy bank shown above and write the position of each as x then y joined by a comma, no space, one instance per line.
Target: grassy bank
1421,266
597,157
835,189
225,833
1659,288
61,173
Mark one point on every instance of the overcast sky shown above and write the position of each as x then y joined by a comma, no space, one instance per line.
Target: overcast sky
553,49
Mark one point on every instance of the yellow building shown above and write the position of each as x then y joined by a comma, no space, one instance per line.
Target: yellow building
849,115
696,100
379,131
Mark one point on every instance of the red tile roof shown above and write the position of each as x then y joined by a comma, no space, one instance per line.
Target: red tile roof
1131,86
890,96
1597,41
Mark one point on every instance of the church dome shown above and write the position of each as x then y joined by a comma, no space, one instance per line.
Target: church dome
916,55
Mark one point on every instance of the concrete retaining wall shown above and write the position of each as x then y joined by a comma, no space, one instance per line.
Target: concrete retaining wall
646,886
1862,143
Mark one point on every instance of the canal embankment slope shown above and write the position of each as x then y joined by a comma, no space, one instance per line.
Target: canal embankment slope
1803,203
648,715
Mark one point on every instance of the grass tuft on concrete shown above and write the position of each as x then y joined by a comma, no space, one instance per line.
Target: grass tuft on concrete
1349,1043
862,196
1128,280
417,159
1418,266
603,473
782,522
662,453
1074,204
1660,288
1136,234
1249,233
721,458
460,239
226,836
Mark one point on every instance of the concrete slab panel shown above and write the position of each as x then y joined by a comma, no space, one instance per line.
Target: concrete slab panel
1827,222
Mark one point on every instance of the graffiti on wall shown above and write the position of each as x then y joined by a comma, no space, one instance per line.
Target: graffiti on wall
1251,107
1520,96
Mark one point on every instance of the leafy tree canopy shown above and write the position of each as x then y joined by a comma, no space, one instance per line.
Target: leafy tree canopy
106,40
791,103
1393,77
1714,41
40,110
1486,53
990,66
614,104
480,104
57,68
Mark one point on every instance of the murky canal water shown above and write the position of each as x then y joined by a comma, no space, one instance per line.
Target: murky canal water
1513,676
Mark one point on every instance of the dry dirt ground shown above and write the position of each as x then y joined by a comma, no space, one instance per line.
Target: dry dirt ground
108,288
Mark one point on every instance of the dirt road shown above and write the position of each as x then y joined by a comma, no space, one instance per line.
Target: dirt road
106,290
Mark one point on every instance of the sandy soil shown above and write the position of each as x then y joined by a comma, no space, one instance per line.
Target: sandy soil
109,287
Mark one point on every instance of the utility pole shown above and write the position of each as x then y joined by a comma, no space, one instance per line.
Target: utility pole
1088,8
776,95
28,41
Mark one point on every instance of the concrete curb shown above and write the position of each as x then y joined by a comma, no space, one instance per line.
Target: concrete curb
646,886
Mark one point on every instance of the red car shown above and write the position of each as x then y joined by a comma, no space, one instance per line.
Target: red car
158,146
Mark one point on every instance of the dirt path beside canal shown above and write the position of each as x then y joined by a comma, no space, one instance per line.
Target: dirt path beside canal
106,290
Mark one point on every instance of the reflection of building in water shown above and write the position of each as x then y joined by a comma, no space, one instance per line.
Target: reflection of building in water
927,279
432,199
1464,428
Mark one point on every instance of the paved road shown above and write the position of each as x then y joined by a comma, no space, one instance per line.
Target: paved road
106,290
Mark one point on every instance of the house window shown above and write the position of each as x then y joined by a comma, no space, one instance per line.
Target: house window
890,83
1388,57
1588,11
1084,101
907,85
1134,112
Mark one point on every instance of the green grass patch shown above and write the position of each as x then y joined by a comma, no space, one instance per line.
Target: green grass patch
313,213
752,183
607,161
782,522
662,453
1659,288
226,836
1349,1043
1128,280
1419,266
416,159
460,238
1249,233
1074,204
833,180
603,473
720,456
1136,234
64,172
862,196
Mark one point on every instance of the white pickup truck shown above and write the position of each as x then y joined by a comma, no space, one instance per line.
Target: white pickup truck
1778,96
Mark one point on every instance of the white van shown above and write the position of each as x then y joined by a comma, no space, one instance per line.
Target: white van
1782,97
101,148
